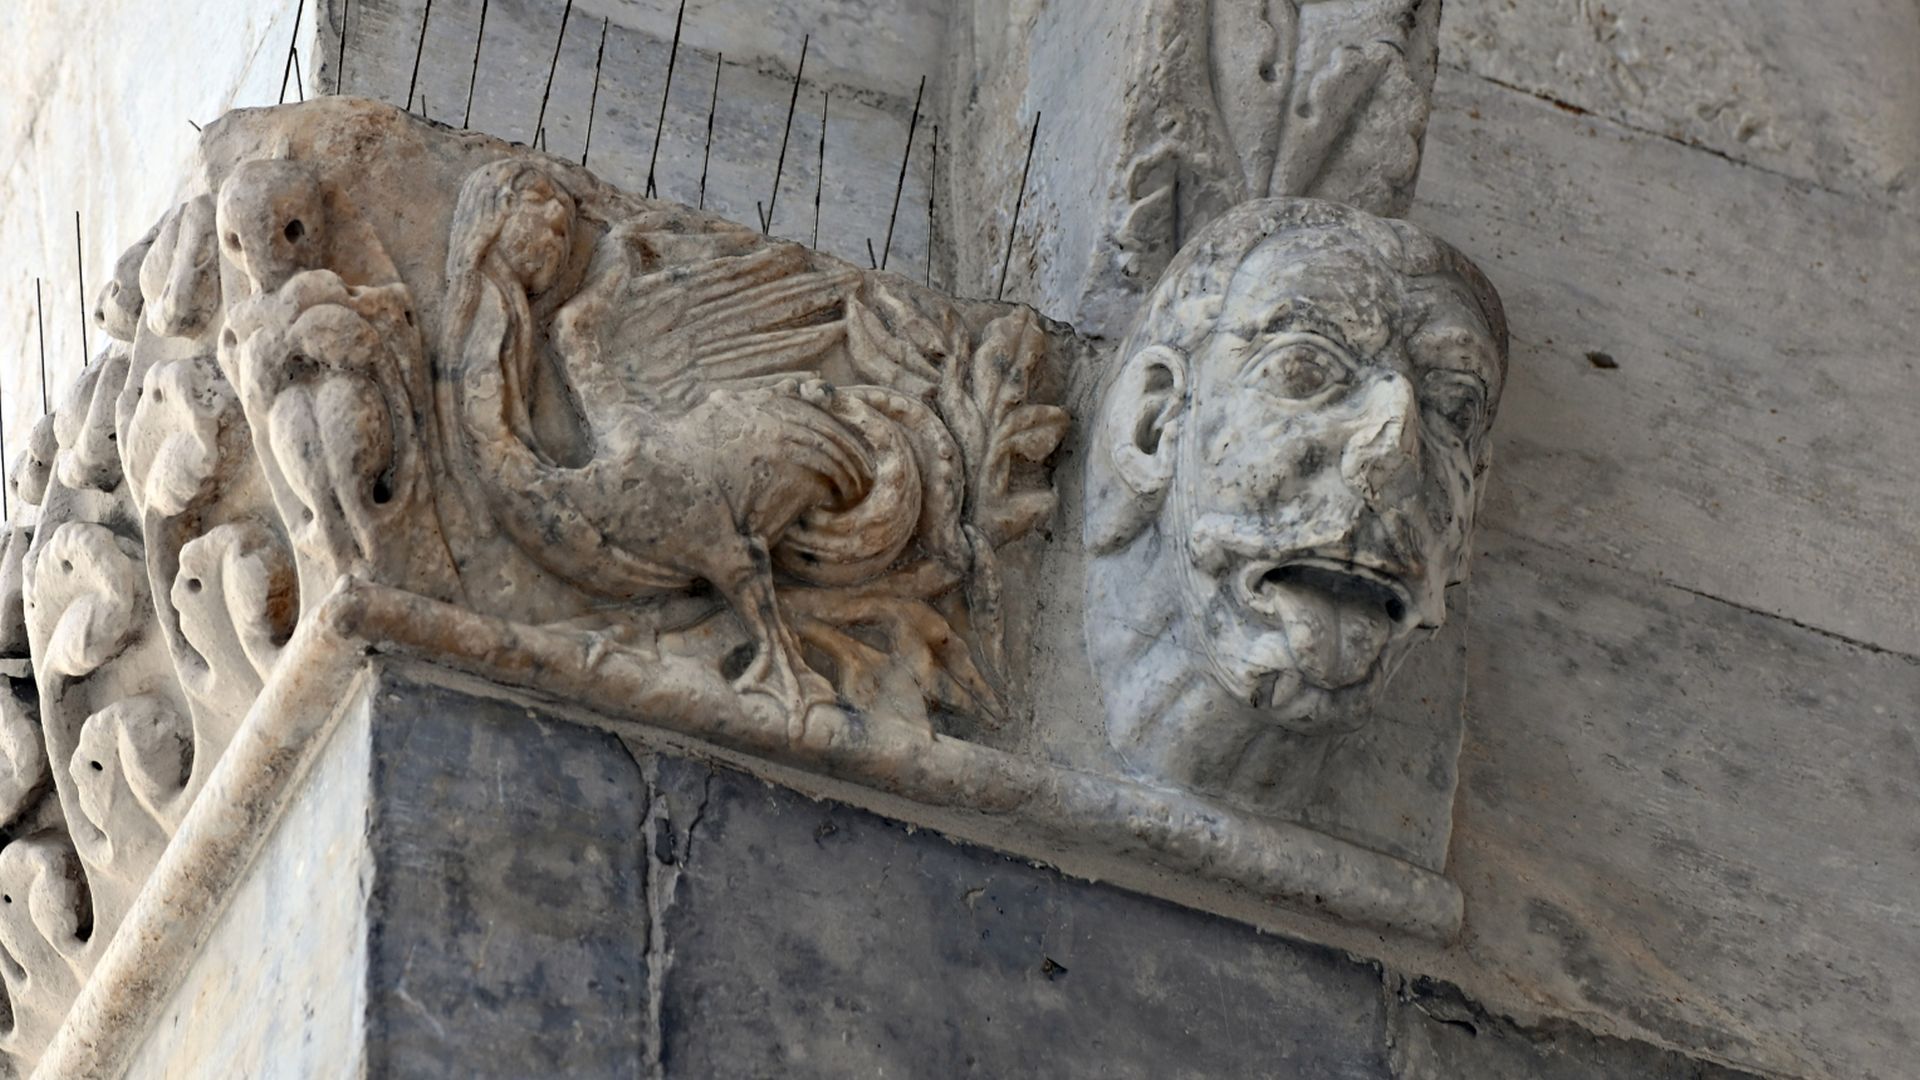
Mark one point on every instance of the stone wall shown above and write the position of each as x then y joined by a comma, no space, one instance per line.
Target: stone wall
1687,793
619,911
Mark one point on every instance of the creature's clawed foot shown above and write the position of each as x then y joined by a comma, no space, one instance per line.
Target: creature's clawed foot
778,671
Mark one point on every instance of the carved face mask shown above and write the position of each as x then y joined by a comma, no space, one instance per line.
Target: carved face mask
1336,422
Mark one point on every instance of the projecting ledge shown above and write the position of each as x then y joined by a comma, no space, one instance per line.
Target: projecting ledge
466,883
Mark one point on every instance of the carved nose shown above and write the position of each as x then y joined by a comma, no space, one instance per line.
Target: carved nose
1384,448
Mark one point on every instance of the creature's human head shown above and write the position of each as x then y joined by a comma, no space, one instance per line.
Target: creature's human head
518,212
1282,479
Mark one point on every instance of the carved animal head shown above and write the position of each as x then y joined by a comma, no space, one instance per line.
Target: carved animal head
179,277
117,309
1283,480
272,221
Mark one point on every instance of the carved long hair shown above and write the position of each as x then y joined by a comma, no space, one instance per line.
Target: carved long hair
475,263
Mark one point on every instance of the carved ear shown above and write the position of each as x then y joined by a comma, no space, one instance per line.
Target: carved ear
1133,453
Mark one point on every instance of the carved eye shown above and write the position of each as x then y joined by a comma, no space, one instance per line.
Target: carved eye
1459,401
1300,369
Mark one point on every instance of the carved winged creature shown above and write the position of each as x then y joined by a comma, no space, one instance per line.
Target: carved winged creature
675,429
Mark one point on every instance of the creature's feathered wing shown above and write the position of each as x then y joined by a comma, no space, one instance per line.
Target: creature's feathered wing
669,318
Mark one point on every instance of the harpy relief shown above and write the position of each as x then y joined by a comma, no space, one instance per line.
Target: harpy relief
572,439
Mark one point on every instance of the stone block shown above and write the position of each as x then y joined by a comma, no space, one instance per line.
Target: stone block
510,892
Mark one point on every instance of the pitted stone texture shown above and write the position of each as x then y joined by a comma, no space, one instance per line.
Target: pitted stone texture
811,940
1828,93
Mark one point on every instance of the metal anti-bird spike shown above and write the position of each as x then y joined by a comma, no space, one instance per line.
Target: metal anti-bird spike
900,185
660,124
293,48
594,101
539,124
766,221
713,105
473,76
419,48
1013,228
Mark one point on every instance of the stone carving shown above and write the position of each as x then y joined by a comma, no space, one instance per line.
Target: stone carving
1258,98
611,415
475,406
1281,484
718,410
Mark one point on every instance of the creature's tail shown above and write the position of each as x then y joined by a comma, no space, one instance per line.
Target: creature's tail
912,489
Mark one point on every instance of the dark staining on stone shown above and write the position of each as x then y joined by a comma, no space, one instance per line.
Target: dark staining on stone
734,664
1603,361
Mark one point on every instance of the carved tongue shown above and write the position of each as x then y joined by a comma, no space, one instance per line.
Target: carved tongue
1335,638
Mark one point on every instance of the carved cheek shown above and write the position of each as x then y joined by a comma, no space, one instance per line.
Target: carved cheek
1447,491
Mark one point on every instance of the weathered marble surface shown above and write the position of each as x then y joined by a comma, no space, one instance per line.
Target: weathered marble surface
1827,93
780,936
865,56
84,101
290,951
1690,818
1282,479
1157,117
1756,441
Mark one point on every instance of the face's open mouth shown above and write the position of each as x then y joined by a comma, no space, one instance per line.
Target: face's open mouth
1342,583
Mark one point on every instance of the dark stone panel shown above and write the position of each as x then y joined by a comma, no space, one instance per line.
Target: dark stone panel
805,939
508,914
809,939
812,940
